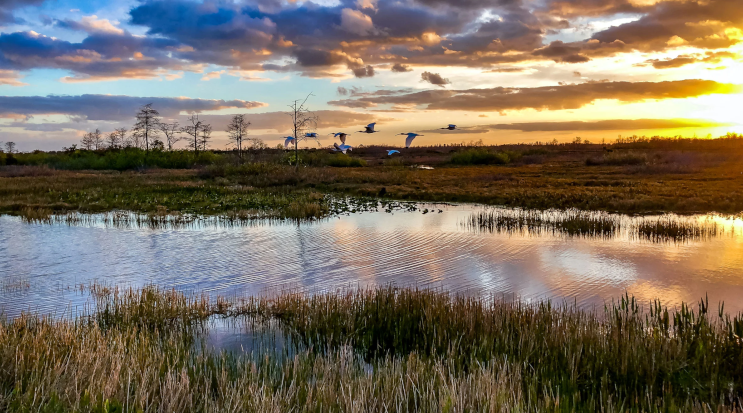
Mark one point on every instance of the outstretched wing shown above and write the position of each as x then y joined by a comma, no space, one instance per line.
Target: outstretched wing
409,139
452,126
289,139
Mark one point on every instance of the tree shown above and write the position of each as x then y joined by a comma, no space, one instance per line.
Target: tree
113,140
193,130
120,137
158,145
10,147
206,135
172,133
302,121
92,140
146,128
237,130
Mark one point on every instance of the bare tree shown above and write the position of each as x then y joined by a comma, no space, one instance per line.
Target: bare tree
120,137
302,121
113,141
10,147
91,140
172,132
193,130
238,130
206,135
146,128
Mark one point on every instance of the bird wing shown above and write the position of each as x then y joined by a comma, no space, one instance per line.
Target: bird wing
343,138
453,126
288,140
371,125
409,139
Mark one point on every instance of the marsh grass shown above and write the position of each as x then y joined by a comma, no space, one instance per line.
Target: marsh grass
571,222
671,228
385,349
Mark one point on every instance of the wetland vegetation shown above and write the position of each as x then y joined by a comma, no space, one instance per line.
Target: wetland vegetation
384,349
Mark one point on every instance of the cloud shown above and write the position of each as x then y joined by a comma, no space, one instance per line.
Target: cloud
401,68
566,96
367,71
608,125
434,79
11,78
111,107
354,21
91,24
683,60
7,7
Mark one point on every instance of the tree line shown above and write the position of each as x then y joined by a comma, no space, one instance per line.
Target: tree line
150,132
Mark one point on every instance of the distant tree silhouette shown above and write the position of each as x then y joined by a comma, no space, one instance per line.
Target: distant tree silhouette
206,135
193,130
238,130
92,140
172,133
10,147
146,128
302,121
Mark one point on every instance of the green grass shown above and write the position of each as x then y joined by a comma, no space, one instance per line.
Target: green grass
386,349
484,156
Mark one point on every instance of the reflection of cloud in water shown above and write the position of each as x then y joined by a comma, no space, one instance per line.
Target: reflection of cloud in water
404,248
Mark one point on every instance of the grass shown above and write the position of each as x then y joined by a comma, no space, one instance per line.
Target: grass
592,224
703,177
385,349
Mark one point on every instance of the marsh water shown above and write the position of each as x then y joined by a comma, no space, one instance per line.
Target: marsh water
40,264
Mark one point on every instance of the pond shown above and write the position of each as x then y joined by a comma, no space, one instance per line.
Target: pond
41,264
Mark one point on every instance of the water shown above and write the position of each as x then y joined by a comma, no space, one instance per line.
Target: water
40,264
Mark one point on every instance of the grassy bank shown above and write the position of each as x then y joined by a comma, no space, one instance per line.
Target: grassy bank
376,350
635,177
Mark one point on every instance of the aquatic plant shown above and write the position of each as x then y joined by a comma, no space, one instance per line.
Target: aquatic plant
398,350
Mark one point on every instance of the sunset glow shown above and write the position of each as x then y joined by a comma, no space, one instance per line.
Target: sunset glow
503,71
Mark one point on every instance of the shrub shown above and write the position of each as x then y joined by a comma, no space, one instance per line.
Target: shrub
618,159
483,156
344,161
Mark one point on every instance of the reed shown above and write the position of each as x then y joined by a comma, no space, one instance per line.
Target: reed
385,349
570,222
667,229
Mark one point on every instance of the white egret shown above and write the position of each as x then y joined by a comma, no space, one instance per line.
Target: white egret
343,148
392,151
310,135
369,128
340,135
289,140
410,137
450,127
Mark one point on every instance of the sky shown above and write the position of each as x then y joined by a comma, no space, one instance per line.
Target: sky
503,71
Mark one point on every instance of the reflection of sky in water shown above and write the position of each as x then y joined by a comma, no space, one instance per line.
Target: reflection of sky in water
403,248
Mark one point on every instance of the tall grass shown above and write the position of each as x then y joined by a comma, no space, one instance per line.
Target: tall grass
120,159
484,156
591,224
386,349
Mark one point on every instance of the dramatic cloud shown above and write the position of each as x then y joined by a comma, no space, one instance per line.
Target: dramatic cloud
367,71
683,60
607,125
110,107
568,96
91,24
401,68
434,79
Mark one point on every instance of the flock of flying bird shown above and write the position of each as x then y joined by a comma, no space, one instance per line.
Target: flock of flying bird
343,147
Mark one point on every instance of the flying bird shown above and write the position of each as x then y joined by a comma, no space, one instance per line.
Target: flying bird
390,152
289,140
450,127
310,135
340,135
369,128
343,148
409,139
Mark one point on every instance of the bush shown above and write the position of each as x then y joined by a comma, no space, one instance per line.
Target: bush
482,156
618,159
118,159
344,161
2,158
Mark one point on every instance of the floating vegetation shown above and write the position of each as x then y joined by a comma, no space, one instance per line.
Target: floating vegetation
385,349
327,207
571,222
593,224
670,229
